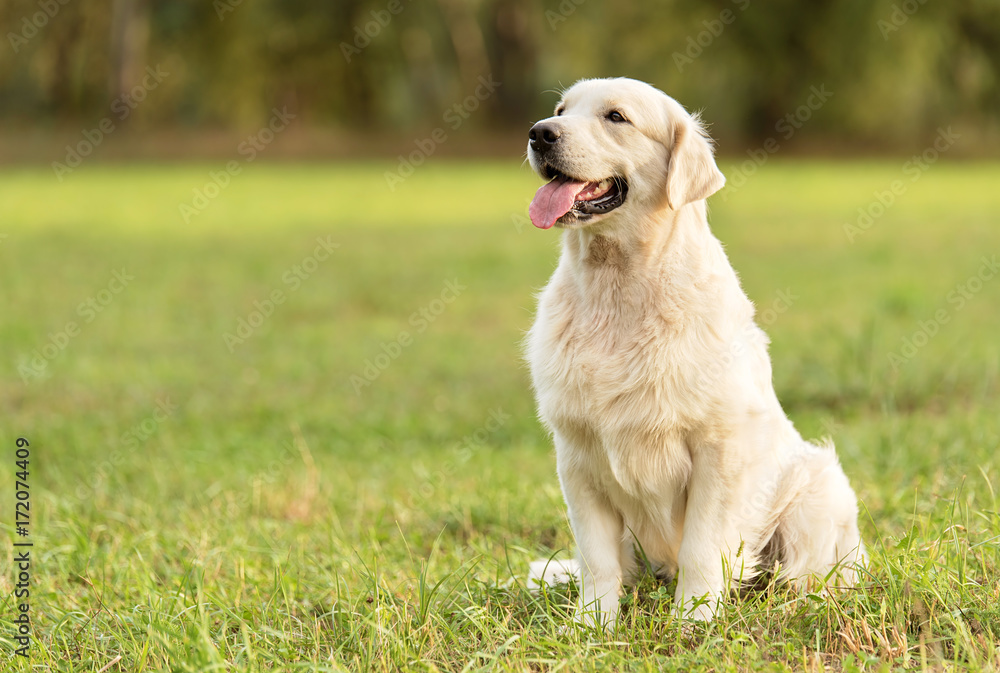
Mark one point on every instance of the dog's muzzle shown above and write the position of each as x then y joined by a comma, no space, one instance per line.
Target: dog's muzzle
543,136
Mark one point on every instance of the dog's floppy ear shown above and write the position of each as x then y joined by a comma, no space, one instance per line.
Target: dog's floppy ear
691,171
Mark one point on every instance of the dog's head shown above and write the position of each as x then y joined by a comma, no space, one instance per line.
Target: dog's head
618,147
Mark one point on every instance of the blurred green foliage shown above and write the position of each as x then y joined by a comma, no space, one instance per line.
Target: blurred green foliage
898,69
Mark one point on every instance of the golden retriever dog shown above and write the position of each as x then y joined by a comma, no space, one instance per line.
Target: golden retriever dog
652,377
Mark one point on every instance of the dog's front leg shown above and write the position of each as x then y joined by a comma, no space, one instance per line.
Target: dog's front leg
711,542
598,529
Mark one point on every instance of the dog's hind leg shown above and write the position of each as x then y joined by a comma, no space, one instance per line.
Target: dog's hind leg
818,530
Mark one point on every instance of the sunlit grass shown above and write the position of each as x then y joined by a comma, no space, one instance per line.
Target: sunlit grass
285,517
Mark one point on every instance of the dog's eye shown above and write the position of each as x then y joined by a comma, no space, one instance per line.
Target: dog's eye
560,110
616,116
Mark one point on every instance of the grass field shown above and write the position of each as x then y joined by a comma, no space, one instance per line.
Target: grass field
311,490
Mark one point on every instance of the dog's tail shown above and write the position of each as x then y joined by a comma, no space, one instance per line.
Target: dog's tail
551,571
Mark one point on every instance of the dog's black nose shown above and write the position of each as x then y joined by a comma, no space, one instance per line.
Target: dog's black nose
543,136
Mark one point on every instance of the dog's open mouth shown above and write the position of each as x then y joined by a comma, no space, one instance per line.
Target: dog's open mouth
565,197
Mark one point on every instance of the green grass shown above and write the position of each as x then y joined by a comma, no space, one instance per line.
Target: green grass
279,520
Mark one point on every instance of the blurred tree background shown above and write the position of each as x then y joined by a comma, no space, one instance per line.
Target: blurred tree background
898,69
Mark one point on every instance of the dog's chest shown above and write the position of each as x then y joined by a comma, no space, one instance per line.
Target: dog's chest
605,384
606,362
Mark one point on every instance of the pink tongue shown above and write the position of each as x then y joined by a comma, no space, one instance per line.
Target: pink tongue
552,201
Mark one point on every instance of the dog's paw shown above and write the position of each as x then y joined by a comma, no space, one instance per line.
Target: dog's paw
550,572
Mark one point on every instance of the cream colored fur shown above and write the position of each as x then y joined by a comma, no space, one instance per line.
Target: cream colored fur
655,382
